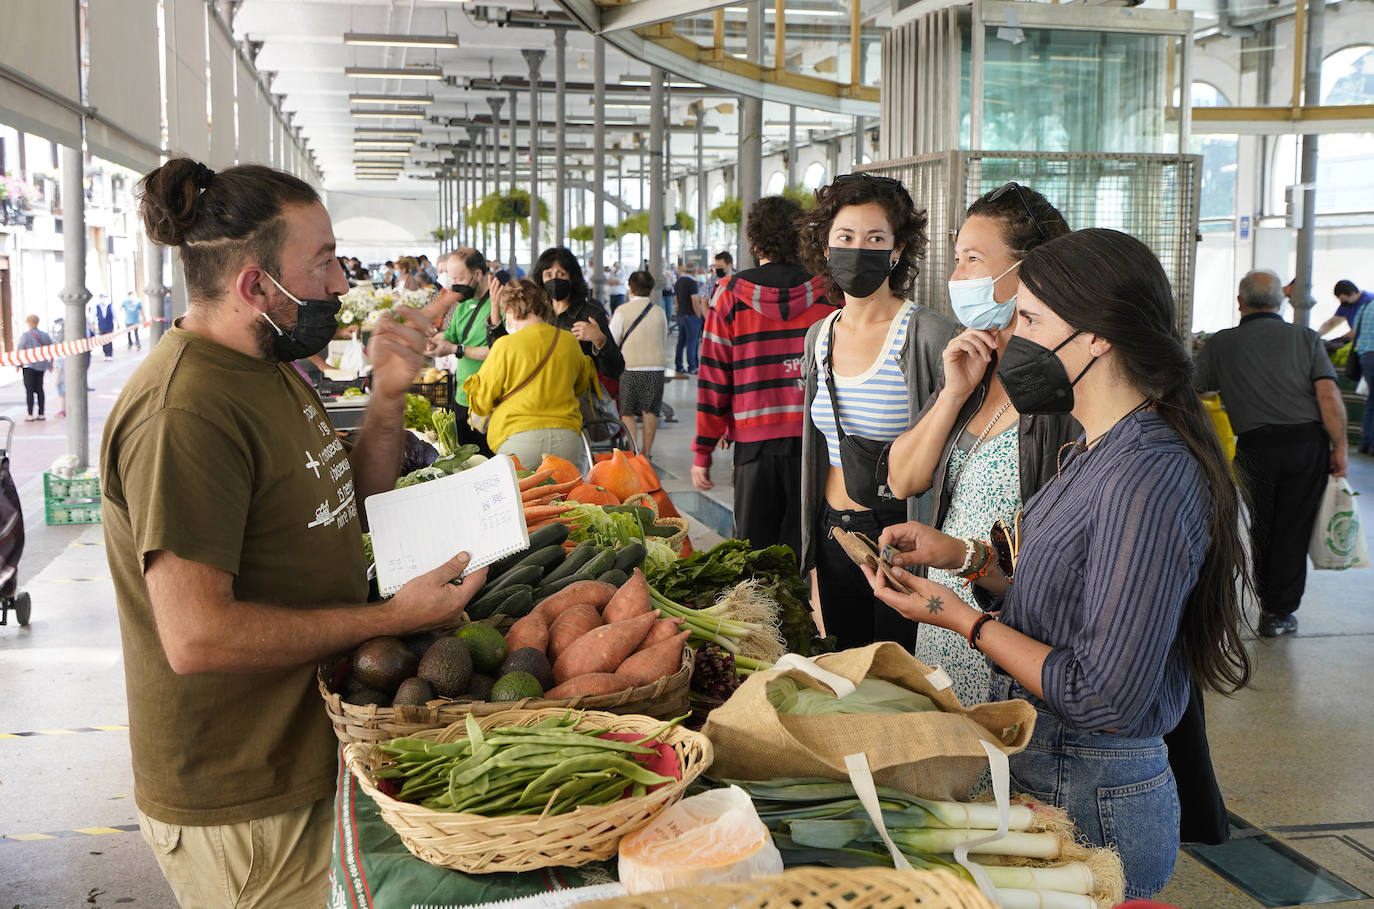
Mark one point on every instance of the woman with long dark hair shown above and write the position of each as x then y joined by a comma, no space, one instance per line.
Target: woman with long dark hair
1128,567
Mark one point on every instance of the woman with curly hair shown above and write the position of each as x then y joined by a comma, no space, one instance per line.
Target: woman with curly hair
867,369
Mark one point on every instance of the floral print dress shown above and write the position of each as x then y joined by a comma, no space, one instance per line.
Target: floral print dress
988,488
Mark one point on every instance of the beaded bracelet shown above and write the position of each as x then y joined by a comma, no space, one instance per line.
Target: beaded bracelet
969,547
977,565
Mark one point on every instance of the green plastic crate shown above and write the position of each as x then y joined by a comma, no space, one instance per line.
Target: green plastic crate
72,511
82,486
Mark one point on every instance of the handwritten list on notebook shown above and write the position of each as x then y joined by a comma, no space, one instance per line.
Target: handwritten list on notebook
418,528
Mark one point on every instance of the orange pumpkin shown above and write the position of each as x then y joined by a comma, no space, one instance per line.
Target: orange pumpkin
564,471
592,495
648,478
617,475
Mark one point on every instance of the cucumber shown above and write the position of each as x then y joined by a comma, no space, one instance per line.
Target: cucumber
487,604
555,534
574,561
549,588
548,558
522,574
519,604
630,556
615,577
598,565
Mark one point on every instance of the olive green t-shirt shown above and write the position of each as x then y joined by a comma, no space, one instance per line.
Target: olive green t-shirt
229,461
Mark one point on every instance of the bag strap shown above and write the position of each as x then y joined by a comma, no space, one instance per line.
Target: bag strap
830,375
633,325
471,319
530,378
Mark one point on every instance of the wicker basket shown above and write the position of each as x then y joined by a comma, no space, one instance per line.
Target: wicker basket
820,888
676,540
664,699
478,844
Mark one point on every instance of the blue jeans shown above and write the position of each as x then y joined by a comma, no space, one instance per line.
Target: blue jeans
1118,791
1367,424
617,300
688,339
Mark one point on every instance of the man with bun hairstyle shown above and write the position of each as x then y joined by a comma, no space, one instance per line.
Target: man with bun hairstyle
234,537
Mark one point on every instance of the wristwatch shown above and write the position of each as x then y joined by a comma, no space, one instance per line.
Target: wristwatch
459,351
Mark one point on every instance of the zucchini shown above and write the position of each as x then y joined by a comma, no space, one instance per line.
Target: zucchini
630,556
519,604
574,561
615,577
548,588
555,534
548,558
522,574
487,603
598,565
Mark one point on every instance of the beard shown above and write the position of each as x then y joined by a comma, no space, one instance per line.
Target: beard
282,311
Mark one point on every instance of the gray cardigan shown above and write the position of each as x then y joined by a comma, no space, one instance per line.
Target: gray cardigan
922,364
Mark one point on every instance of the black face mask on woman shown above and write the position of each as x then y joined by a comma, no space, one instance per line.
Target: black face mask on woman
315,326
1035,379
859,272
558,288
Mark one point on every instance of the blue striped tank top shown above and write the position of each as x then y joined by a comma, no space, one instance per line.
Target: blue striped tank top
873,404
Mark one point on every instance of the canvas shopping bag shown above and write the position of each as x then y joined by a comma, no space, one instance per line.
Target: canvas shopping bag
1338,540
935,755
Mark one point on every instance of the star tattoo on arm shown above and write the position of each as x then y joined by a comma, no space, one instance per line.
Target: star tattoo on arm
935,605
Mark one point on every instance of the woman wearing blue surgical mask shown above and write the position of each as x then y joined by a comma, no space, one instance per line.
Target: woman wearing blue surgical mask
969,443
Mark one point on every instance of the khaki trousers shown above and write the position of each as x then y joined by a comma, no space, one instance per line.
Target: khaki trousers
280,860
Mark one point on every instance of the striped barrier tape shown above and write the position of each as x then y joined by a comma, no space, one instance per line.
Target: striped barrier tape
33,355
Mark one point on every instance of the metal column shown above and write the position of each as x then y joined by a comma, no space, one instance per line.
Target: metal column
657,115
977,57
514,153
560,130
75,296
476,141
791,145
599,166
154,287
442,183
495,102
701,179
859,128
751,134
1307,232
535,59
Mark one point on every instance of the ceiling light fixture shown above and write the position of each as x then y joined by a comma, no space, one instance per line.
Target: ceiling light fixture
379,98
380,131
790,12
382,143
409,113
404,72
370,40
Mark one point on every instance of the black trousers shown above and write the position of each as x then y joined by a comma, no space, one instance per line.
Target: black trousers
33,391
768,493
466,434
851,612
1286,469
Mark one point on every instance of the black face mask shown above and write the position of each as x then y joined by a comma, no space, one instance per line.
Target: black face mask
558,288
315,326
464,291
859,272
720,272
1035,379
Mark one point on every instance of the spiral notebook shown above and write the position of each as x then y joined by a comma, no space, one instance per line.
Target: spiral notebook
418,528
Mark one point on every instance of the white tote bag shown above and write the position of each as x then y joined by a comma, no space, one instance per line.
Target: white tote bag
1338,541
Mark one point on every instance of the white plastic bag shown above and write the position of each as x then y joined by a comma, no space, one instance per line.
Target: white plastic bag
1338,541
353,360
712,838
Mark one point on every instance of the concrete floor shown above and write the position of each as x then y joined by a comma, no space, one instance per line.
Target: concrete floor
1290,751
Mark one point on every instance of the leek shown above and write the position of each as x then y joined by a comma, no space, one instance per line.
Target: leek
1014,898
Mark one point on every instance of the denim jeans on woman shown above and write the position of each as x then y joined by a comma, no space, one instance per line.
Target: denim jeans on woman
1367,425
1118,791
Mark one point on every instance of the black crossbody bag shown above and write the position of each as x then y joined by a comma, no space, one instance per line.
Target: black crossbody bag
863,461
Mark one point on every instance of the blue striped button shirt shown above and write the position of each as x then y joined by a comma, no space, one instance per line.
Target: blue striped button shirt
1110,552
872,405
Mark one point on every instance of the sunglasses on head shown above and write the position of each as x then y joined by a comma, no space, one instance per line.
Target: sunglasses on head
874,179
1002,190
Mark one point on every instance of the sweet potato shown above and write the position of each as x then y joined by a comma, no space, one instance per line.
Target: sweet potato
591,683
570,626
653,663
602,649
663,630
555,604
630,600
529,631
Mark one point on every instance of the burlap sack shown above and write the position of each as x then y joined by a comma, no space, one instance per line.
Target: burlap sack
933,754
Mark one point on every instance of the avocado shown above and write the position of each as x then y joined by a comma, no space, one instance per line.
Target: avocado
486,644
515,686
420,641
447,666
368,696
383,663
479,689
413,691
528,659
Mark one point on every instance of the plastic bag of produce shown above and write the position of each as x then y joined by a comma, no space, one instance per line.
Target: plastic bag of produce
354,357
712,838
932,753
1338,540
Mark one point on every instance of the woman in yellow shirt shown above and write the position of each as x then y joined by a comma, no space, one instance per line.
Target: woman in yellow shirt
530,381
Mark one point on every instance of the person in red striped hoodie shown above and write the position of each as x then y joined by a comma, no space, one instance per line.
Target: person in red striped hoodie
749,388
